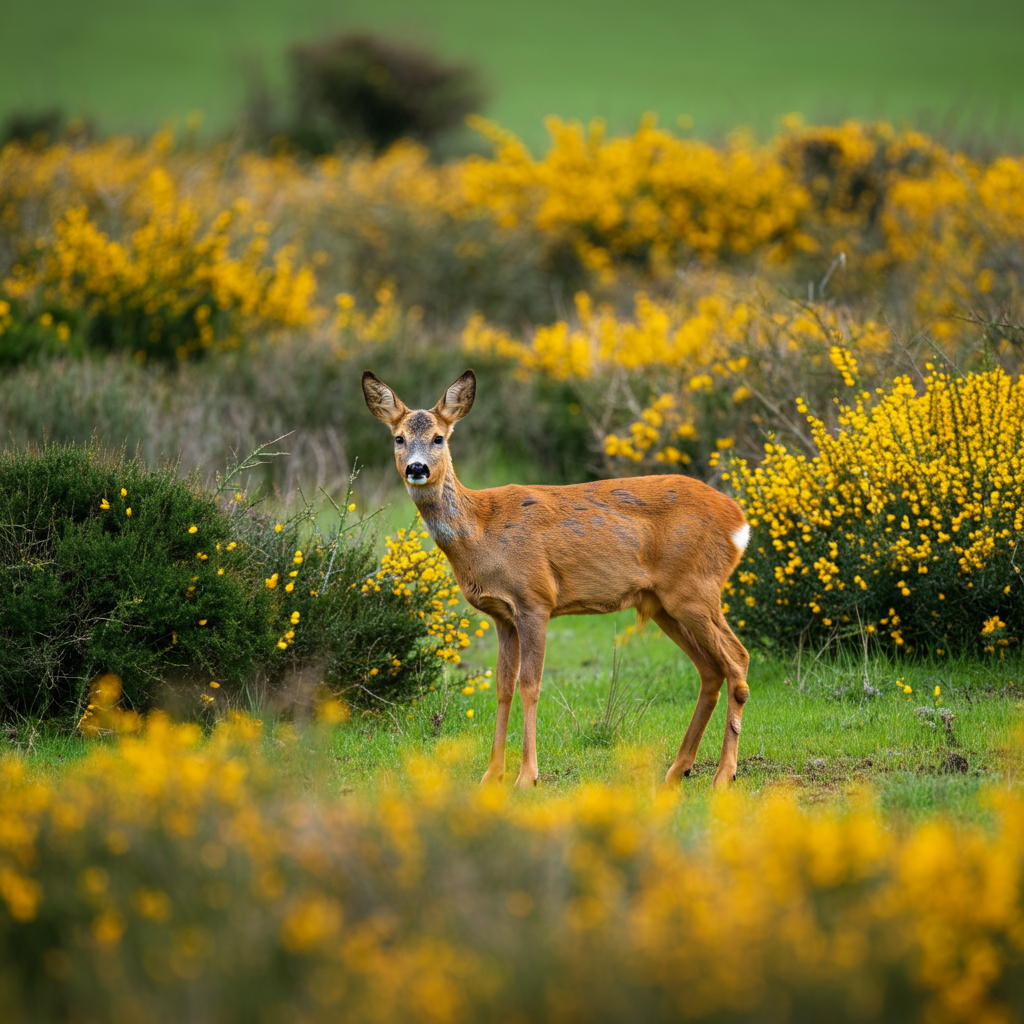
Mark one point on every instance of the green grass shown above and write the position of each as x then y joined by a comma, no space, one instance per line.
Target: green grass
808,726
942,63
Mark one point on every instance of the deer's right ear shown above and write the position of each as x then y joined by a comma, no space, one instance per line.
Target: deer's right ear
381,400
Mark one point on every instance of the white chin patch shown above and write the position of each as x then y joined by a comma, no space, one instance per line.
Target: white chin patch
741,537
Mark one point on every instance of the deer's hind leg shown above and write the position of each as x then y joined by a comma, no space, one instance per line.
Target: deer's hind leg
718,656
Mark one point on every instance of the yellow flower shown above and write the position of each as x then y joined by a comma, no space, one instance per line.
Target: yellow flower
295,618
470,713
232,546
907,689
193,529
271,582
288,588
127,511
124,493
352,508
202,622
104,504
468,691
278,527
938,691
216,686
373,671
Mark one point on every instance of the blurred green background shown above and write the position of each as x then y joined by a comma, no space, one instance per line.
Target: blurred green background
948,66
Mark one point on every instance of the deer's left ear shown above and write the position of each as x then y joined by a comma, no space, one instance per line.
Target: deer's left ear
458,399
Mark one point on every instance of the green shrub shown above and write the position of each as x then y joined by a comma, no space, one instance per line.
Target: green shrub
102,573
328,631
109,567
361,88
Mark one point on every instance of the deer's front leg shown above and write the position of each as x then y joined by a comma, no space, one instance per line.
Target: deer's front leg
532,639
508,673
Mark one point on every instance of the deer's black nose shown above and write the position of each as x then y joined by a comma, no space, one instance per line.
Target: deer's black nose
417,472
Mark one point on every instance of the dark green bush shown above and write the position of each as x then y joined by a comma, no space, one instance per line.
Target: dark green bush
109,567
361,88
88,587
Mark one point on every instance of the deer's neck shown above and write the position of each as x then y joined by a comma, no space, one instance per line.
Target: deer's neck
447,511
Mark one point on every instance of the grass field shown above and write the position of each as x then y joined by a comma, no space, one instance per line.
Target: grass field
948,66
811,725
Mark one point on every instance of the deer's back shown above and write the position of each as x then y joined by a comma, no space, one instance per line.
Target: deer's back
600,546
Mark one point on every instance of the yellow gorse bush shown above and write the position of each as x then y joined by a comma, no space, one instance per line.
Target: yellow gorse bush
897,202
166,872
650,197
908,522
187,269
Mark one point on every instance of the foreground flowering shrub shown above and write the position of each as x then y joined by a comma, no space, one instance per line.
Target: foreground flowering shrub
166,879
908,523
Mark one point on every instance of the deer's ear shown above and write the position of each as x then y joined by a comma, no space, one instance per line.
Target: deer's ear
458,399
381,400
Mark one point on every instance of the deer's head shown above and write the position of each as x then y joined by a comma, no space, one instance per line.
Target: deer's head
421,435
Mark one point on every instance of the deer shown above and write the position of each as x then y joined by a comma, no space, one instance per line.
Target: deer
664,545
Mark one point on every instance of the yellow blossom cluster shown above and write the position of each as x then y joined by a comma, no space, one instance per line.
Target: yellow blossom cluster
658,334
720,367
896,202
908,521
424,578
166,871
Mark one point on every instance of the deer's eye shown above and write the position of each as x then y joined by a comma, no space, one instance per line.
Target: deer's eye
439,439
399,439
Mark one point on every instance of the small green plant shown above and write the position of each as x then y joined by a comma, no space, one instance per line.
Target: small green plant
624,707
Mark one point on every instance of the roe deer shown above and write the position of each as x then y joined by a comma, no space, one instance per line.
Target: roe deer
664,545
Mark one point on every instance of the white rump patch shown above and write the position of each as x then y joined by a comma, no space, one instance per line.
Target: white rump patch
741,537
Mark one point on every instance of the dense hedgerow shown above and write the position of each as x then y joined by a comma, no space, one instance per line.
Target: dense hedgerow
908,523
167,880
109,568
